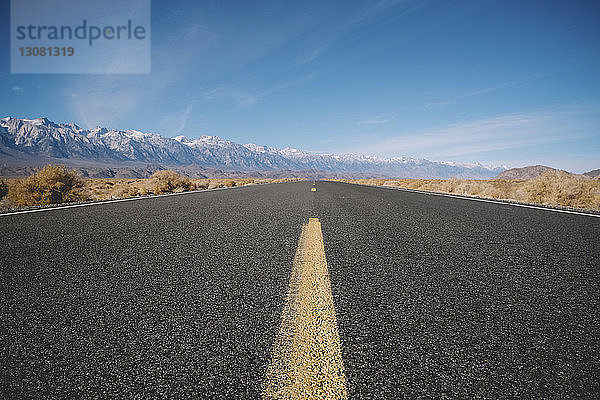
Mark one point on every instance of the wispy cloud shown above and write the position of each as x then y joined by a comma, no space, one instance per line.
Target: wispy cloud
101,101
247,98
377,120
18,89
480,136
184,118
335,28
473,93
494,88
311,54
240,96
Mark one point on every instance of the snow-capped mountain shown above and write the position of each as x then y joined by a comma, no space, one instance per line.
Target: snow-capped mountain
31,138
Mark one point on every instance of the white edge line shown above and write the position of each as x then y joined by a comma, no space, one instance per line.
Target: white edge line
101,202
506,203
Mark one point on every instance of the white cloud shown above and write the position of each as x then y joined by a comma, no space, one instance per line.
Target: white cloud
240,96
379,119
101,101
184,118
480,136
18,89
473,93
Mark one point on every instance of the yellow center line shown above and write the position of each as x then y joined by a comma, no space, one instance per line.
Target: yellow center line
313,189
306,362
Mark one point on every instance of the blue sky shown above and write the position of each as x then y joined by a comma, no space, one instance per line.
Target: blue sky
499,82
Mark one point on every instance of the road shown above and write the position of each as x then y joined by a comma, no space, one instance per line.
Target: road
182,296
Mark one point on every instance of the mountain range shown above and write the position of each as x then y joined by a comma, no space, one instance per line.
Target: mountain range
27,143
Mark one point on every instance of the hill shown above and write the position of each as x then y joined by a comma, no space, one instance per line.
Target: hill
528,172
593,173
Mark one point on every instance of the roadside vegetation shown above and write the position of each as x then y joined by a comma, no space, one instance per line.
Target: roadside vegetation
52,184
55,184
555,188
3,189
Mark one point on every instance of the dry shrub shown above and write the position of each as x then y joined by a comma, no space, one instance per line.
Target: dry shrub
560,188
244,181
170,181
555,188
202,184
214,184
372,181
144,190
113,188
124,189
160,182
3,189
52,184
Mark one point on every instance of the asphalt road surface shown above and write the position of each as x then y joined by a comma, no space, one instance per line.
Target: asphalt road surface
182,296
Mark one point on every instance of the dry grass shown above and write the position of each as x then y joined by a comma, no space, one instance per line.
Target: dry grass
109,188
552,188
56,184
52,184
168,181
3,189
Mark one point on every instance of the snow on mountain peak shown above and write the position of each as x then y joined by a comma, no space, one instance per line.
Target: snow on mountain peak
38,121
256,148
138,135
180,139
43,138
290,151
215,139
262,149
